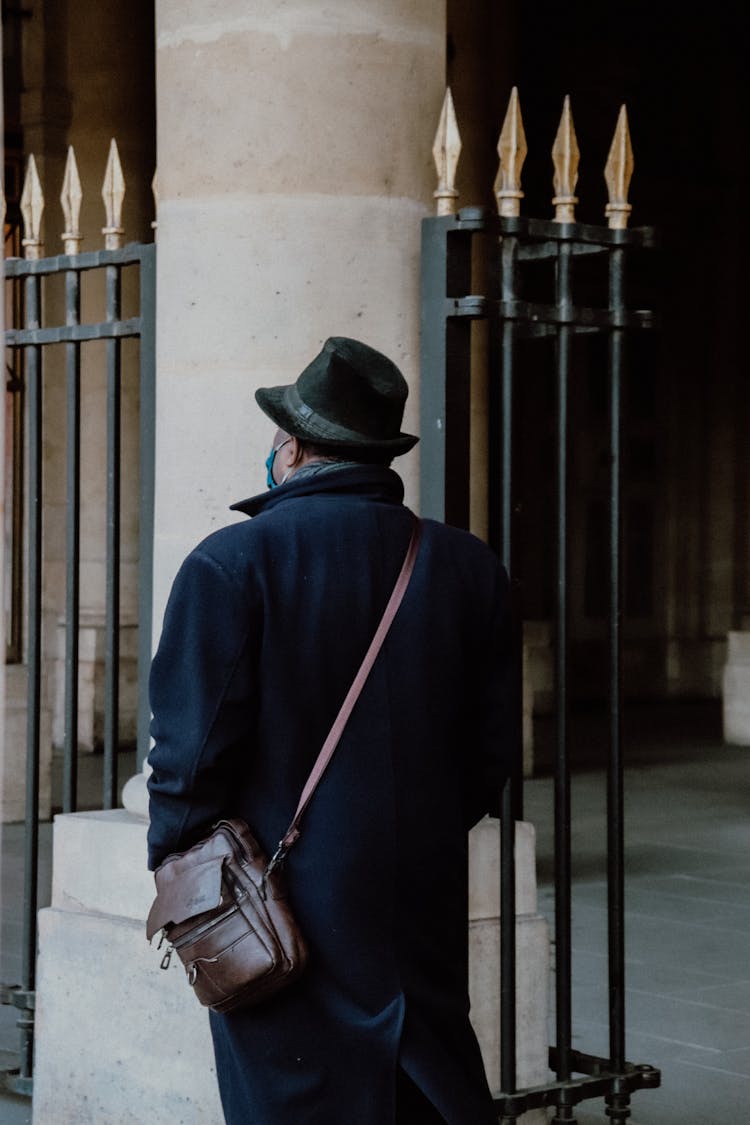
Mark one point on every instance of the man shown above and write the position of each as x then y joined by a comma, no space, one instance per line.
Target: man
266,626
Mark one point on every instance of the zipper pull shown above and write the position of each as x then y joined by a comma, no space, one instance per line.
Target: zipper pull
166,958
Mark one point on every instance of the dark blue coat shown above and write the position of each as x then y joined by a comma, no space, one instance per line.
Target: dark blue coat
266,625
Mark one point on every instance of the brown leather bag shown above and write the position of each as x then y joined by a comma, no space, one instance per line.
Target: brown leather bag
222,904
227,919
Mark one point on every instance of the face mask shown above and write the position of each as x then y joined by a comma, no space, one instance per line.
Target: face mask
270,482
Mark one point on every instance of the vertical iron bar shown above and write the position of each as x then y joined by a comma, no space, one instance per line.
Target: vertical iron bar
564,1112
445,368
506,470
508,518
510,798
434,289
147,422
34,698
15,647
112,625
72,544
457,417
617,1104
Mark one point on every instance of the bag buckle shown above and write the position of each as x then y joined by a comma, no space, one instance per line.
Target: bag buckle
275,861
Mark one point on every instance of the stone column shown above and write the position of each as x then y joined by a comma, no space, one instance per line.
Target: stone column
481,45
294,152
736,687
44,104
110,79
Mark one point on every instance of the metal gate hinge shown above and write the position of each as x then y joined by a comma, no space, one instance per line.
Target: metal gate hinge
18,997
473,306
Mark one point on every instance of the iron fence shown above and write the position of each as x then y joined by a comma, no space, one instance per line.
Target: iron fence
511,251
528,267
29,340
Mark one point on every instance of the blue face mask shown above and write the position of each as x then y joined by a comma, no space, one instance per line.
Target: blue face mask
270,482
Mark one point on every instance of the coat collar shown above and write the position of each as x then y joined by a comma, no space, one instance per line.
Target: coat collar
372,482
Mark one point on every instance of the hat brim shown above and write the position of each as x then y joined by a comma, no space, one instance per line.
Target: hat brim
273,403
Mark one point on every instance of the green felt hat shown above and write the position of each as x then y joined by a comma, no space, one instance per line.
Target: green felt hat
349,395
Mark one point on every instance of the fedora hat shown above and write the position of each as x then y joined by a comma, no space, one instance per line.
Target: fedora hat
350,395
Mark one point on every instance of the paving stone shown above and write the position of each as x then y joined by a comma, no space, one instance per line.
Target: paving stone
696,887
676,905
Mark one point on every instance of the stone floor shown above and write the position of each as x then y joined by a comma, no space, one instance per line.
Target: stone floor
687,911
687,917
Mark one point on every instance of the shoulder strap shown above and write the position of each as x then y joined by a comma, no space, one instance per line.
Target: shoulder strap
331,742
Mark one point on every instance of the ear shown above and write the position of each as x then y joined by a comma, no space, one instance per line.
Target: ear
296,452
288,455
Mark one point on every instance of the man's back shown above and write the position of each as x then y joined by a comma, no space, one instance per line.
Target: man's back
266,626
288,604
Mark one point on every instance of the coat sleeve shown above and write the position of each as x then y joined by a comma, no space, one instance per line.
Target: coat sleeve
497,708
203,705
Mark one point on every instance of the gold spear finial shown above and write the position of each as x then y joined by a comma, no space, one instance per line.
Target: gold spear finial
565,157
155,193
70,197
32,206
618,172
113,193
446,151
511,148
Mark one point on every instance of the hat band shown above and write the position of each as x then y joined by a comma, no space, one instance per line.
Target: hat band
321,425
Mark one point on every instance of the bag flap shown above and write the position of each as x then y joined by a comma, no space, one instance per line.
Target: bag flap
184,890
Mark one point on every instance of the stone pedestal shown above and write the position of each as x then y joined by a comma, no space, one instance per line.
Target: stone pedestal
736,689
91,666
120,1041
532,958
117,1041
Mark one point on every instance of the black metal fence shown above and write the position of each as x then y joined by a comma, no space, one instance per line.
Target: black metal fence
529,294
31,339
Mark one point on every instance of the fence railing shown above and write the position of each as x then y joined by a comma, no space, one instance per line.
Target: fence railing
39,330
521,259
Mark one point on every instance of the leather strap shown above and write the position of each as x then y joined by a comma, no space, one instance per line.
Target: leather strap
292,833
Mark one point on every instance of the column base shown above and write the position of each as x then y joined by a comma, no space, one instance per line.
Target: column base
141,1046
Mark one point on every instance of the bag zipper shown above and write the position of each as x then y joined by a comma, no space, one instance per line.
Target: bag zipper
193,935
